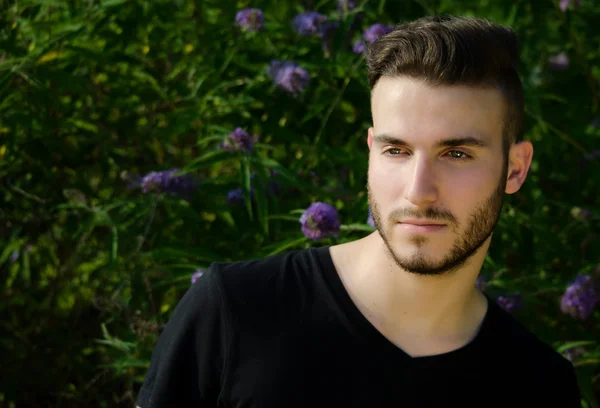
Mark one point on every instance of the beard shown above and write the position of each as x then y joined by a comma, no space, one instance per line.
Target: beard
480,225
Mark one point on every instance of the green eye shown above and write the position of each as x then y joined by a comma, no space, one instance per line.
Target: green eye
394,151
459,155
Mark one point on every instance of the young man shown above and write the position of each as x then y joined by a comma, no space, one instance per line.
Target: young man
393,319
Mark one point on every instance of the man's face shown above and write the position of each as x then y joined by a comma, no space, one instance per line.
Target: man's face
435,157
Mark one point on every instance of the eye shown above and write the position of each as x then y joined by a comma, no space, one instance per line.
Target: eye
459,155
394,151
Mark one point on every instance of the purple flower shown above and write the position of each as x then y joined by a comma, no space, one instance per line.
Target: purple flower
481,283
510,303
196,275
164,181
346,5
250,19
239,141
370,219
580,298
235,196
359,47
288,76
309,23
14,256
564,4
320,220
375,31
559,62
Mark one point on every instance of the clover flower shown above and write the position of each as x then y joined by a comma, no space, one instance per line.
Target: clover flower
564,4
288,76
346,5
320,220
510,303
165,181
580,298
359,47
250,19
309,23
559,62
375,31
239,141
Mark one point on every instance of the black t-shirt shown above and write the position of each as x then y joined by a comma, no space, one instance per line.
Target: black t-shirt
282,332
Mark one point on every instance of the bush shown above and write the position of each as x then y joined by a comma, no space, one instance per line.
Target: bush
142,140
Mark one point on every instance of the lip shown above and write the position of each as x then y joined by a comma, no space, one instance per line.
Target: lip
421,222
420,226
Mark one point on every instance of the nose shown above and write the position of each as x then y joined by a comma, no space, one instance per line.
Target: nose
421,187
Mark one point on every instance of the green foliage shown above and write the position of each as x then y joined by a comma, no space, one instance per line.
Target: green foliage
93,93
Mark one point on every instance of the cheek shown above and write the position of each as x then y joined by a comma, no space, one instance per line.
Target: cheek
386,183
462,191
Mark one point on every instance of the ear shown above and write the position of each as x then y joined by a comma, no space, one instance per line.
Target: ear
370,138
519,161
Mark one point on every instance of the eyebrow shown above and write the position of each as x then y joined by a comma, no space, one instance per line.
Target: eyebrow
450,142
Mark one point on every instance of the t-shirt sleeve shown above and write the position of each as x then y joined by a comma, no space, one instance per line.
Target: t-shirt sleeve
188,361
563,389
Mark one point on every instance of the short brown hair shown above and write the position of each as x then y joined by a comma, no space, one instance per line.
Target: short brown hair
448,50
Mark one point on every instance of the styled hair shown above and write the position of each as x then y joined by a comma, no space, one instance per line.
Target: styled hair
448,50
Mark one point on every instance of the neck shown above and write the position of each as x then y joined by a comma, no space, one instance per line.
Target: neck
429,305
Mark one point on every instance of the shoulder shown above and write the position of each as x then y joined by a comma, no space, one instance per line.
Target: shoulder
265,290
251,270
525,357
522,343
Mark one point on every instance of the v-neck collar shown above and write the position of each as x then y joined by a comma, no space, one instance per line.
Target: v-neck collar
374,337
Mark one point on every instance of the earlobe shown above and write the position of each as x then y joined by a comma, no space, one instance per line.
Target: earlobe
520,157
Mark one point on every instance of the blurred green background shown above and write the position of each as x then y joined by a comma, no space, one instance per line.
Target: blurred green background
96,95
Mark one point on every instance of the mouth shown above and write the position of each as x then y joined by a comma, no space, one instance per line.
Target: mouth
422,223
421,226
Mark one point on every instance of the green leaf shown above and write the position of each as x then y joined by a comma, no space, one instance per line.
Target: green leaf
572,344
114,245
81,124
112,3
13,245
357,227
208,139
246,186
149,79
177,279
67,27
510,20
283,217
26,273
208,159
198,84
260,195
227,217
52,3
285,245
117,344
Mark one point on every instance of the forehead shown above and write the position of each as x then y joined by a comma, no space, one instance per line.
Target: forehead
416,110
